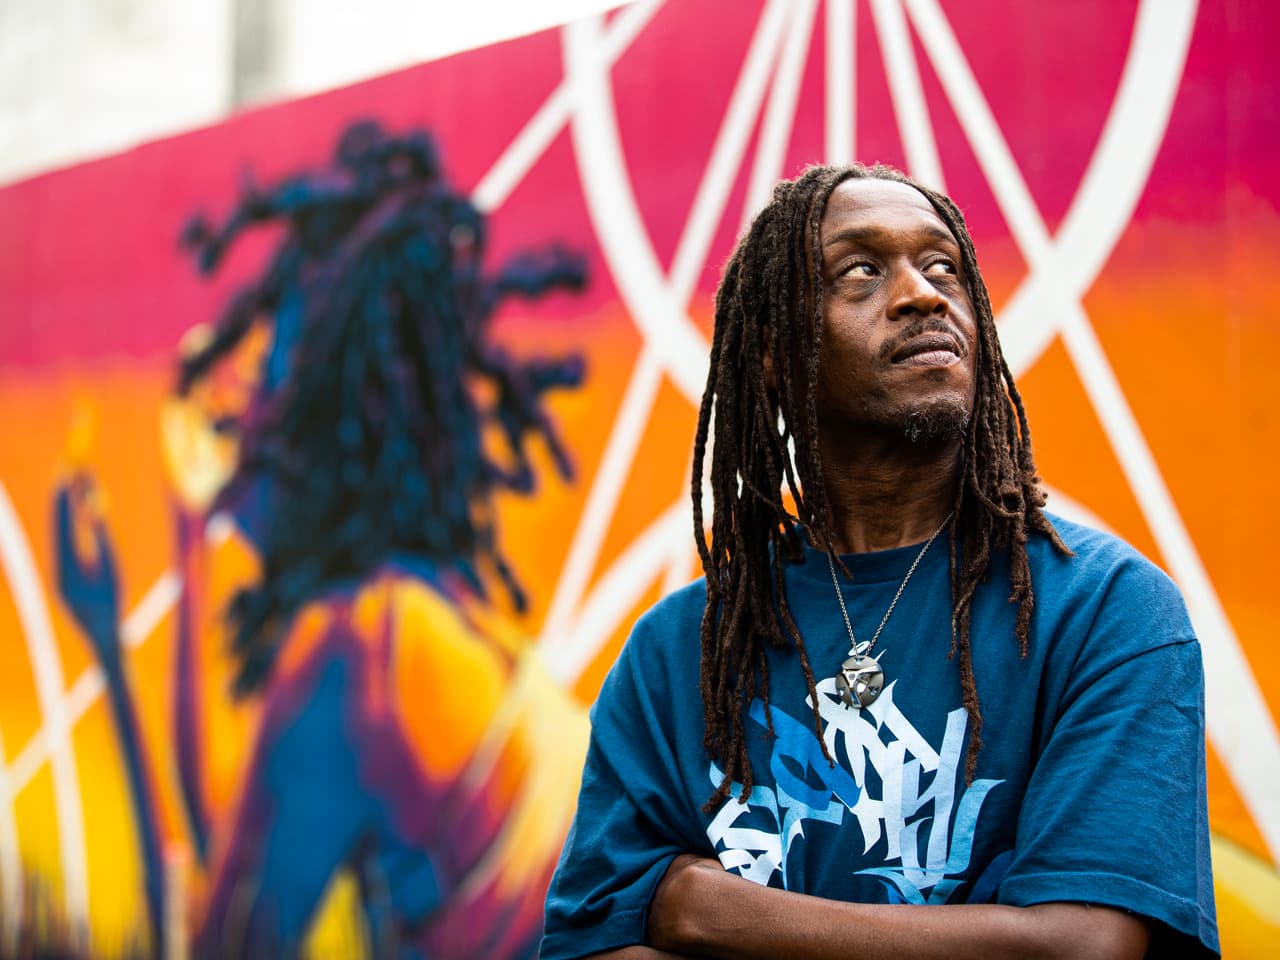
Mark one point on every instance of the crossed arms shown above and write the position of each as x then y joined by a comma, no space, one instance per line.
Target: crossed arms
699,909
1108,810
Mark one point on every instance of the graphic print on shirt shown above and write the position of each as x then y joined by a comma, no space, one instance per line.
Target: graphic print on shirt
916,812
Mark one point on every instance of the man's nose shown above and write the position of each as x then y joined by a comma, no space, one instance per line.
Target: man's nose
913,295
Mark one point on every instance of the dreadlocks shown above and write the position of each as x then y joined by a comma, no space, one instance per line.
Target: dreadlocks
770,303
371,443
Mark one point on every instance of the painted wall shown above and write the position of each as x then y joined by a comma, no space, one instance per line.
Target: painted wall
1112,159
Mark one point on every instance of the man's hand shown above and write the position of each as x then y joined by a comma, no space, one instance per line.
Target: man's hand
701,909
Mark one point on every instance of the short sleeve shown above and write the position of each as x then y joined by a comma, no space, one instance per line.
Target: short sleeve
1115,812
634,814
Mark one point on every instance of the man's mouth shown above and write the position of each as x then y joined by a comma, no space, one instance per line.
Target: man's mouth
928,350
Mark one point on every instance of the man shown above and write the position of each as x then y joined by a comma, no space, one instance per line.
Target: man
917,688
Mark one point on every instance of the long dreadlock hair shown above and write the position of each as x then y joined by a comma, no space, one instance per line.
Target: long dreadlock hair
770,303
372,444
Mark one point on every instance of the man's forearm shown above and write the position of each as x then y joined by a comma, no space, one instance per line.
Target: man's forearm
701,909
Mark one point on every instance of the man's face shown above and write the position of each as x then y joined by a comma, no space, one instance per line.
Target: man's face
900,342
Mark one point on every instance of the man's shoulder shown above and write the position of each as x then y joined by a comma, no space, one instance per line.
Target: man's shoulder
674,620
666,641
1095,553
658,665
1109,581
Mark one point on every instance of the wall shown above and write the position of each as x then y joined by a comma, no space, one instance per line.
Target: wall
1111,159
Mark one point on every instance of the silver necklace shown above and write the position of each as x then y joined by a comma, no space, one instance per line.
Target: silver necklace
860,678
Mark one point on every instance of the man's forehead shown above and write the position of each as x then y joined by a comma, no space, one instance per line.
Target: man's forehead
874,203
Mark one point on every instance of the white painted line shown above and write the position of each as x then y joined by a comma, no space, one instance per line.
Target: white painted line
841,70
46,665
616,218
780,113
530,143
151,609
1134,130
89,685
909,104
611,476
620,589
726,156
1239,721
537,134
989,146
685,563
177,935
1074,510
29,760
1112,184
657,302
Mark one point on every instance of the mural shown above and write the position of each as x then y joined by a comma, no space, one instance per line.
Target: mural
331,421
343,441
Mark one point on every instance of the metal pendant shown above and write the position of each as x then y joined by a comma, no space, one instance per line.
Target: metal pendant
860,681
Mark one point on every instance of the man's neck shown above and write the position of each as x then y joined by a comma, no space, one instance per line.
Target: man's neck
886,492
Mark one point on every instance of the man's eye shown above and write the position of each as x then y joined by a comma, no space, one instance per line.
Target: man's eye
944,267
862,269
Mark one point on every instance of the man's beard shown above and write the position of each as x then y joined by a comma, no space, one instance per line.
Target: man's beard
945,421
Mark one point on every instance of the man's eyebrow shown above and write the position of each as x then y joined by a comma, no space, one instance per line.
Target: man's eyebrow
874,234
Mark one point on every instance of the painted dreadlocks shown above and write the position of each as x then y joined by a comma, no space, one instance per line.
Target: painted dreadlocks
770,303
371,443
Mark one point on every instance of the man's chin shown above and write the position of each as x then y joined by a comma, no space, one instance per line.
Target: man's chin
940,421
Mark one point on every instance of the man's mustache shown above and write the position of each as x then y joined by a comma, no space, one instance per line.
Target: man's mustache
918,328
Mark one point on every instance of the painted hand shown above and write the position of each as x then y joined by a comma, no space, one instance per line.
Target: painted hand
86,566
198,457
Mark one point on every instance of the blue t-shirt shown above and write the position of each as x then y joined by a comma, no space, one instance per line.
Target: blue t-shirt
1090,785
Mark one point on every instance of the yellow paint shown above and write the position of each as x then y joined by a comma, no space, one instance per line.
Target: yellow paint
1247,890
229,722
116,897
34,811
447,678
338,932
551,731
308,630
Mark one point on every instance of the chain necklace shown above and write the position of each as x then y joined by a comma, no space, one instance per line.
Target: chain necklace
860,678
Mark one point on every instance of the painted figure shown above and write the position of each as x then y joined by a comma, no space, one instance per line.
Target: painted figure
335,444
